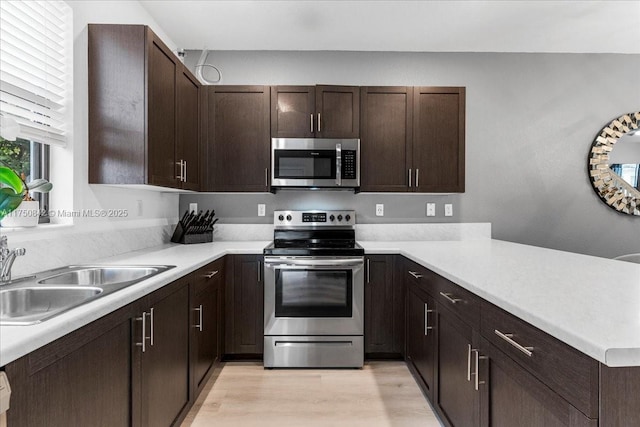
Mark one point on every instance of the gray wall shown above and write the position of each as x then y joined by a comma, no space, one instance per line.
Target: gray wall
531,119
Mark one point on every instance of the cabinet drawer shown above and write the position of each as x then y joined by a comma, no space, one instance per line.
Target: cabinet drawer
417,274
209,272
458,300
571,374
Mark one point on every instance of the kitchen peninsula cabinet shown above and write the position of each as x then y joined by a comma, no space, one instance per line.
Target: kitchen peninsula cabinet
207,286
421,337
238,143
384,308
144,111
244,306
315,111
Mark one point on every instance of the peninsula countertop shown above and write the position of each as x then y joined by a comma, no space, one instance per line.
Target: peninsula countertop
590,303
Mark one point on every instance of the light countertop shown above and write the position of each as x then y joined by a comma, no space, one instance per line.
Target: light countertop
590,303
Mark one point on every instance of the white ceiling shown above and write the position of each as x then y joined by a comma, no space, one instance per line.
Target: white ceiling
422,26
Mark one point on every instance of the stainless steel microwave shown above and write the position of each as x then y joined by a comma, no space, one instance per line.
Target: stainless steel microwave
315,163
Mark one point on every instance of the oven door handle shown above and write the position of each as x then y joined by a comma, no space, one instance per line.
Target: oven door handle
287,263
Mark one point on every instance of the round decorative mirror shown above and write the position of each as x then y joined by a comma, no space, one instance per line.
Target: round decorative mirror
614,164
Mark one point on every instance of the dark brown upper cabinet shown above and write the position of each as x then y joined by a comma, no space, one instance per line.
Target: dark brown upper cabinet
315,111
438,139
144,111
412,139
238,143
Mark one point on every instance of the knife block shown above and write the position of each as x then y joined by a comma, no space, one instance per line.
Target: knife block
180,235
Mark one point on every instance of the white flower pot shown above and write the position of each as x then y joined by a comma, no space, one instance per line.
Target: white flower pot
26,215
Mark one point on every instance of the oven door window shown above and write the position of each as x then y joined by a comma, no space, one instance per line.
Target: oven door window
305,164
314,293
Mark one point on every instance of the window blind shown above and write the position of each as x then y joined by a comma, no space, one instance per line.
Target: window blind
35,67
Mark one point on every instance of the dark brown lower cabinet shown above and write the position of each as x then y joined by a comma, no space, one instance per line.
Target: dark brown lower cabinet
457,399
515,397
206,324
384,308
244,306
421,337
165,361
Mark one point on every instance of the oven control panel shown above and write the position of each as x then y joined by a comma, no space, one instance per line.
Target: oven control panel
314,218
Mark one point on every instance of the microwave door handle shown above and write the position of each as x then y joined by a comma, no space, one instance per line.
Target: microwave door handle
339,165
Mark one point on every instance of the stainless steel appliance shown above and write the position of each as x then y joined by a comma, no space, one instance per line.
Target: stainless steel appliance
314,292
315,163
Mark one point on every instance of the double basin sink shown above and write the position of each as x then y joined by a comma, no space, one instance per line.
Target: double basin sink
37,298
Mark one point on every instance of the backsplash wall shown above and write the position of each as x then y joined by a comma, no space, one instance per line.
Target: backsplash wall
531,119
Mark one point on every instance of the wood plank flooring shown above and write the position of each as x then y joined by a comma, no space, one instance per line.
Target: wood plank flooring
245,394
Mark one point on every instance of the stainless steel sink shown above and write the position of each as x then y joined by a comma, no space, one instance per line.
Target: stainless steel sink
100,276
50,293
33,304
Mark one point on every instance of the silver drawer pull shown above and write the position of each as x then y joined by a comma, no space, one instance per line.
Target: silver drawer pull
476,374
450,297
509,338
426,319
414,274
143,342
199,310
210,275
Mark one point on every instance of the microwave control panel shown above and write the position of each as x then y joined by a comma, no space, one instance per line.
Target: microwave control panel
348,164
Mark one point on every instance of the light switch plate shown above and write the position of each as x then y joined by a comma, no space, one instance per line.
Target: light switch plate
379,209
431,209
448,209
261,209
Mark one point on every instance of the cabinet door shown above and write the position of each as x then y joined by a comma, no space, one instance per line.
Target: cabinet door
206,321
379,304
81,379
238,138
338,112
438,139
293,111
188,129
161,106
515,397
386,136
165,363
457,399
244,294
421,332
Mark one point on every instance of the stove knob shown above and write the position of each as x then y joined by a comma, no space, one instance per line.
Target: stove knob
348,217
332,218
281,217
339,217
288,217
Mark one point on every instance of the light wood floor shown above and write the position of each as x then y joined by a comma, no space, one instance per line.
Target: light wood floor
245,394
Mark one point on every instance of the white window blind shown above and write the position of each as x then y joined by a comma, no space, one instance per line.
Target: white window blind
35,67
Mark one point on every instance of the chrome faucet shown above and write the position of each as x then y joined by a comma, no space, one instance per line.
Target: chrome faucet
7,257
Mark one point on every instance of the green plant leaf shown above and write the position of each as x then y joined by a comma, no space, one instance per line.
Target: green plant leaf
9,178
9,201
39,186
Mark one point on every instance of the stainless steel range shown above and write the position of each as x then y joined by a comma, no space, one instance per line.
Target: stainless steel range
314,292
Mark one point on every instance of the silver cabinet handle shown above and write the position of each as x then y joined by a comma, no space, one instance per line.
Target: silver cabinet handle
468,362
318,122
476,374
210,275
450,297
311,116
199,310
143,343
179,176
368,271
426,319
409,178
152,325
417,178
415,275
184,178
509,338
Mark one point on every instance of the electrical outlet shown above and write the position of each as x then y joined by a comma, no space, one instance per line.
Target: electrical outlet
261,209
380,210
448,209
431,209
193,207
